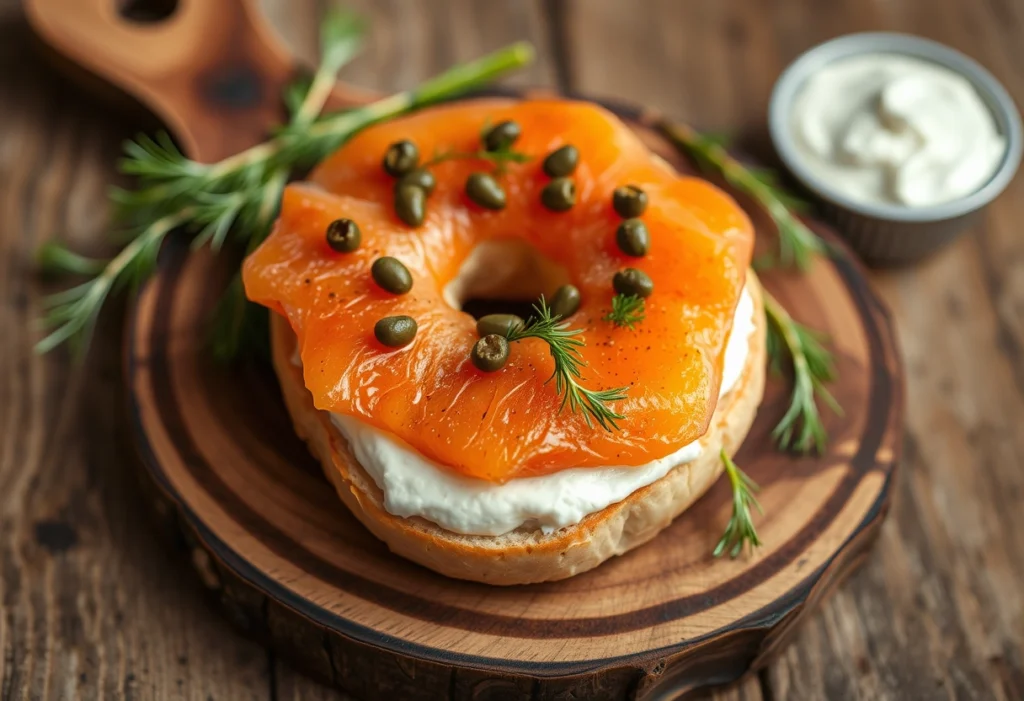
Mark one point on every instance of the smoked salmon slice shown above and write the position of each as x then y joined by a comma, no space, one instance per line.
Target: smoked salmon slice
509,423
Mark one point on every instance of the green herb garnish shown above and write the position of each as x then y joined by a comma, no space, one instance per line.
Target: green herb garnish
627,311
565,345
740,530
797,243
500,159
74,311
800,429
497,141
238,196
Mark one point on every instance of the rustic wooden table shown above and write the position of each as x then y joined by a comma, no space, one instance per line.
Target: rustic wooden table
92,604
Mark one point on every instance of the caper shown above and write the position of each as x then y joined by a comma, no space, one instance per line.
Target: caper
395,331
562,161
391,275
630,281
500,324
490,353
633,238
501,136
421,178
343,235
485,191
565,301
559,195
629,201
401,157
410,204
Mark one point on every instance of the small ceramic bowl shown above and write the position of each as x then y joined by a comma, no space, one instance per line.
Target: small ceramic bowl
890,234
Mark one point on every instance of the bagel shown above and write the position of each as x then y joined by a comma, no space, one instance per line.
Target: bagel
483,468
526,556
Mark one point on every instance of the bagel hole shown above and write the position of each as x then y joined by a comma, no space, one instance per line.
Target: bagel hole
478,307
147,11
506,276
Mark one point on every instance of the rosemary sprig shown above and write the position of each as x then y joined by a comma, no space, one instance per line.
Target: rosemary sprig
627,311
74,311
801,428
207,200
564,345
51,257
797,243
740,530
341,38
327,134
239,195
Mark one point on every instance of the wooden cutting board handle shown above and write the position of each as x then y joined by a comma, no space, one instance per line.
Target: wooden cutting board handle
211,70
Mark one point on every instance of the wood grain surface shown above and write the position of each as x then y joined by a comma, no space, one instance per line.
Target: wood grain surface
93,606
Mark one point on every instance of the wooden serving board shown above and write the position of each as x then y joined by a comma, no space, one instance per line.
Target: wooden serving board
290,565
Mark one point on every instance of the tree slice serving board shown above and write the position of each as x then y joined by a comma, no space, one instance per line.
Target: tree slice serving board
291,565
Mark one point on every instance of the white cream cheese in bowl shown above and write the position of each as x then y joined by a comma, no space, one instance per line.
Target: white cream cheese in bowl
903,141
888,128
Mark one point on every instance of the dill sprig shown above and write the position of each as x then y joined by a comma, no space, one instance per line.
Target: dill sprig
500,158
564,344
627,311
740,530
801,428
798,245
238,196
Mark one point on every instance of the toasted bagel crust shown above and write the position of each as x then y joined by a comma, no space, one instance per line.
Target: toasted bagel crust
526,556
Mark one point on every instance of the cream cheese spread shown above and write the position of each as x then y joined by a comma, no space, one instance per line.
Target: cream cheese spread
415,486
893,129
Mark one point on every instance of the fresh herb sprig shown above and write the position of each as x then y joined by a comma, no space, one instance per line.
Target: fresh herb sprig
240,192
740,531
564,344
500,158
210,201
627,311
74,311
239,195
801,428
798,245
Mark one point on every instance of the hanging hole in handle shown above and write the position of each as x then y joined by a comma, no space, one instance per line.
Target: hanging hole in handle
147,11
